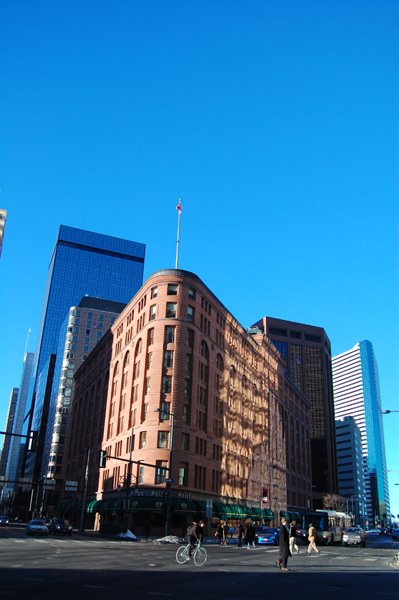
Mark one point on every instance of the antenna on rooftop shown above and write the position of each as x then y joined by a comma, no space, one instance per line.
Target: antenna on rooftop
27,340
179,208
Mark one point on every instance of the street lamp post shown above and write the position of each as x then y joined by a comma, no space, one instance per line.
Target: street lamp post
169,480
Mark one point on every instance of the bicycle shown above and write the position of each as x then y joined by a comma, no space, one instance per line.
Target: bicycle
199,555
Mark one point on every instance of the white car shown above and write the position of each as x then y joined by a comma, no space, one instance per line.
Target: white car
36,527
354,536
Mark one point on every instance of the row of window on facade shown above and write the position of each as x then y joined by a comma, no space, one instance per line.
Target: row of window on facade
119,476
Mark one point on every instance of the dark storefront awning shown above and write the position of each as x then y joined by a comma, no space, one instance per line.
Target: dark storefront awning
295,516
64,505
267,513
180,505
147,503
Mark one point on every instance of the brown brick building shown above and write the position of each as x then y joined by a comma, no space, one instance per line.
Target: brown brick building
186,375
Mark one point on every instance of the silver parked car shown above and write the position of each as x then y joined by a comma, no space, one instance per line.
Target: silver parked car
36,527
354,536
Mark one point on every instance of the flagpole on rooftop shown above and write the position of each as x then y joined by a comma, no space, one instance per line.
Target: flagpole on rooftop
179,208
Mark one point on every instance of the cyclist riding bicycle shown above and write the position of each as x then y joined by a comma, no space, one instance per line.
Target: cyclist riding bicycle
194,534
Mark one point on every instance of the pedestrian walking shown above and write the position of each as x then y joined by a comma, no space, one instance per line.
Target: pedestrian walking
312,535
293,537
219,533
240,534
250,536
284,546
226,529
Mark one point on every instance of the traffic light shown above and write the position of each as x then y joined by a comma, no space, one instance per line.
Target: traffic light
103,459
32,441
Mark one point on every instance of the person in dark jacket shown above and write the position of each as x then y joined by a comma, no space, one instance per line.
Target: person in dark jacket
240,534
250,534
284,546
219,533
194,535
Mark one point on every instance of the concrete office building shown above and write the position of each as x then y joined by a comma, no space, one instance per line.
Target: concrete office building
3,218
357,394
306,351
83,328
192,391
82,262
351,483
5,451
17,444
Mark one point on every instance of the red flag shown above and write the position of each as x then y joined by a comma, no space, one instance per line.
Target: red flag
179,206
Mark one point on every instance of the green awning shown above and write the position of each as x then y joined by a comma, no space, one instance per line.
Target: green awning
219,510
284,513
267,513
295,516
95,506
235,511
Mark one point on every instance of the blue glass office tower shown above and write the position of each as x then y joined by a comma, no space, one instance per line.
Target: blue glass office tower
82,263
357,394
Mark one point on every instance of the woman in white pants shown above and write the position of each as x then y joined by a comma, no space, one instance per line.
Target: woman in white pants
292,539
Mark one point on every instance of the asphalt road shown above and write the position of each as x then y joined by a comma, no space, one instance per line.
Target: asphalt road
89,567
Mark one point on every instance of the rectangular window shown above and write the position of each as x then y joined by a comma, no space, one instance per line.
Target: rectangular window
169,334
163,439
185,441
140,478
143,439
168,359
190,313
171,310
183,473
186,413
154,292
153,312
166,384
191,293
199,477
160,472
150,337
164,414
190,338
147,386
172,289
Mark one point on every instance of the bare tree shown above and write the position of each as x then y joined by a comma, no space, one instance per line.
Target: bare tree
334,502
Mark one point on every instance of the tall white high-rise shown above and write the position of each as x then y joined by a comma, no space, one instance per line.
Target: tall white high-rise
357,394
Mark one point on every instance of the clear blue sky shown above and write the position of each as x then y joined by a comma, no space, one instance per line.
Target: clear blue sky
276,122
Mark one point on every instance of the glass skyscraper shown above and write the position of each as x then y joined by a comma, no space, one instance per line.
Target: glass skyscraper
83,263
357,394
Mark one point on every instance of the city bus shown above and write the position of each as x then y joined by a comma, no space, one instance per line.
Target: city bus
319,519
337,523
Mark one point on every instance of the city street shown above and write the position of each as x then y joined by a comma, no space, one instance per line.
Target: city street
91,567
